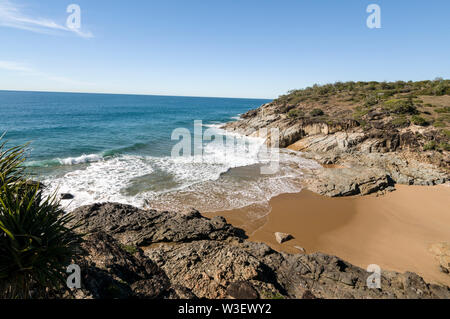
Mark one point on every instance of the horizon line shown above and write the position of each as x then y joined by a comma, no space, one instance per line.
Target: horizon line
135,94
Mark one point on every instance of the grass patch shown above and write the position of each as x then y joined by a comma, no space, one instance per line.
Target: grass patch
130,249
271,295
439,124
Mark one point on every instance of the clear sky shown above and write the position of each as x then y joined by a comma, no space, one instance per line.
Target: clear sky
229,48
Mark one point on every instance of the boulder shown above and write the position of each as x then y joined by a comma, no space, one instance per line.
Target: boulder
133,226
66,196
282,237
242,290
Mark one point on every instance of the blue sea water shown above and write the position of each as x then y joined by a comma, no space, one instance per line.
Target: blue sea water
106,147
65,125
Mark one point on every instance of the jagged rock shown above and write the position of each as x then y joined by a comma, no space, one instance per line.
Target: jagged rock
330,277
282,237
193,265
348,181
208,268
364,174
133,226
108,271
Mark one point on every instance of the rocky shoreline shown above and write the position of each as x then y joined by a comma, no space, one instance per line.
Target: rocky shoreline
356,160
133,253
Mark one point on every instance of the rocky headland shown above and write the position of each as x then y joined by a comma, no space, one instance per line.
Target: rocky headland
133,253
368,135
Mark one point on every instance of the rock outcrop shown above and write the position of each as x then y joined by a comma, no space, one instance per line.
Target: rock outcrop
195,264
109,271
366,160
133,226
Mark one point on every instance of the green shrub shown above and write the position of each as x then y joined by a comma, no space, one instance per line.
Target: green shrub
400,121
430,146
446,133
445,109
418,120
36,243
130,249
370,101
441,89
444,146
444,117
271,295
358,114
316,112
295,113
439,124
399,106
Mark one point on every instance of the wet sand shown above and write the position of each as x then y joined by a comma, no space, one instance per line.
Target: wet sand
394,231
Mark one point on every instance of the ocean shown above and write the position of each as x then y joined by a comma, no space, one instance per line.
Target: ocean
107,147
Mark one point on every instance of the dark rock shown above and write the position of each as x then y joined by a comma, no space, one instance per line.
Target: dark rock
308,295
192,263
108,271
133,226
242,290
65,196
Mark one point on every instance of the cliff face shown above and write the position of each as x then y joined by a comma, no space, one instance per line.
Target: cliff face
377,137
190,256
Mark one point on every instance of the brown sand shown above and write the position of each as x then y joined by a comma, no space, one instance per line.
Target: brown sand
394,230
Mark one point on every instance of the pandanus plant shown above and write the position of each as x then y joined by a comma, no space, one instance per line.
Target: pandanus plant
36,241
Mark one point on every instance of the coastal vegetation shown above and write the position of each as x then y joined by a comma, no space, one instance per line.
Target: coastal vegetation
376,105
36,243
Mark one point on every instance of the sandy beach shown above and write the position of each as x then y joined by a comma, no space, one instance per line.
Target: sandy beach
394,230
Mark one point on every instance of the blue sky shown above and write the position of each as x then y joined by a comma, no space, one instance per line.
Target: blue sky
229,48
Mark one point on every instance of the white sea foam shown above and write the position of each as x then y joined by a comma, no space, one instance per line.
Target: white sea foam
214,125
81,159
172,183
